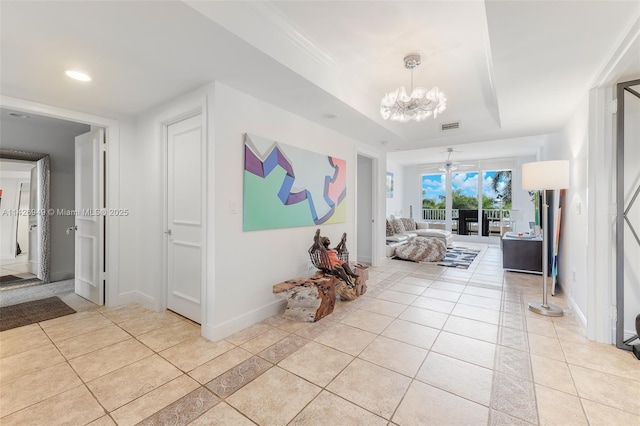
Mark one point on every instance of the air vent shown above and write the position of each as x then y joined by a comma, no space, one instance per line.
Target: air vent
449,126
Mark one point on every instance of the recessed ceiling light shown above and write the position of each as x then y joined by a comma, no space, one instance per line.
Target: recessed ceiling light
77,75
18,115
330,115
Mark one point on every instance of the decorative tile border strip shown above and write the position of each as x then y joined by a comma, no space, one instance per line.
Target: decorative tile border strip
184,410
514,396
229,382
282,349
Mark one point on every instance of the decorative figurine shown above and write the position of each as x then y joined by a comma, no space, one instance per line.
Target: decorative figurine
328,260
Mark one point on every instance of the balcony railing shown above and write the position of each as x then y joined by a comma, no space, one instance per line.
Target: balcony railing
436,215
499,220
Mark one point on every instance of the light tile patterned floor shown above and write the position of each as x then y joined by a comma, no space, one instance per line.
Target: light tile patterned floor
425,345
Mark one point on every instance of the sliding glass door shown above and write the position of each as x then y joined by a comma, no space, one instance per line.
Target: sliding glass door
468,202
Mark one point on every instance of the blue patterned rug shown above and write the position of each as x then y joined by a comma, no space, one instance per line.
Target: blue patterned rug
459,257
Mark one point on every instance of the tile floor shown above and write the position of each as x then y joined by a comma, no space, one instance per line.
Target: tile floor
18,267
426,345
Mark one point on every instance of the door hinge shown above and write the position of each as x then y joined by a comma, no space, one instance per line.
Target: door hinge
612,106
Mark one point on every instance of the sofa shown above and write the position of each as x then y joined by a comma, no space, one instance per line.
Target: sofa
400,229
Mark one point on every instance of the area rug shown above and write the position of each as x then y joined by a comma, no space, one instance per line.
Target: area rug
459,257
31,312
18,282
6,278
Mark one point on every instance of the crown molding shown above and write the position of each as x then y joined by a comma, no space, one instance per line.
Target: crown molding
279,22
266,28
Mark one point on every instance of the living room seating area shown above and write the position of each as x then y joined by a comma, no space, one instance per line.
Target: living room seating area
400,229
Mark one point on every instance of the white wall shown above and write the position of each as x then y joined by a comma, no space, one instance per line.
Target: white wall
395,205
142,168
57,141
242,266
573,145
248,264
10,185
138,255
574,245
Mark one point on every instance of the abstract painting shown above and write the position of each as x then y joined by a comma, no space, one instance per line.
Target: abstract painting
286,186
389,185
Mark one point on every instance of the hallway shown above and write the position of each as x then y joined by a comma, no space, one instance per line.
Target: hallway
425,345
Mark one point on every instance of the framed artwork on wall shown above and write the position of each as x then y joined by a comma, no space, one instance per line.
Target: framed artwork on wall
389,185
286,186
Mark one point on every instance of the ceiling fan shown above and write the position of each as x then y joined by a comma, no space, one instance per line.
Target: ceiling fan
451,166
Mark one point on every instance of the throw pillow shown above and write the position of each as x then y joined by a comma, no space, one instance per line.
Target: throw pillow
398,226
389,229
409,224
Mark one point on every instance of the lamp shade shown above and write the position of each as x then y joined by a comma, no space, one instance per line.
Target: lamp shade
545,175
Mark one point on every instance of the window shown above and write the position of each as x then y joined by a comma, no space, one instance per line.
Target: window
471,191
434,197
464,190
496,189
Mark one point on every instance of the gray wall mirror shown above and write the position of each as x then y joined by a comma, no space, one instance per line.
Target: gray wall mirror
38,213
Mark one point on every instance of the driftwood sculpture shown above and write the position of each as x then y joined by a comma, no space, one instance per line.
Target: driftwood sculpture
328,260
308,299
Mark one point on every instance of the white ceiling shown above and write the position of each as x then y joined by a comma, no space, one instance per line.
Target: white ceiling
509,68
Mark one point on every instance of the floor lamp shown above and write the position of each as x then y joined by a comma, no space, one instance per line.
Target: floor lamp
544,175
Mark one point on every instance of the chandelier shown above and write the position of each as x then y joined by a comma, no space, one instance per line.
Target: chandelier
398,106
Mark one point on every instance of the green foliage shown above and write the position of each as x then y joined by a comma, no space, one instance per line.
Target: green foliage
430,203
461,201
487,202
504,175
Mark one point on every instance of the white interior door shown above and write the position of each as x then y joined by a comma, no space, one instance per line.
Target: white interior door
184,217
90,216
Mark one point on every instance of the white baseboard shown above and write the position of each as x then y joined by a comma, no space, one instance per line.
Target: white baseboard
574,307
137,297
227,328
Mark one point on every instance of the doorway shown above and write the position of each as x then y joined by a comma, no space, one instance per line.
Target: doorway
184,216
54,137
474,205
15,222
628,216
365,210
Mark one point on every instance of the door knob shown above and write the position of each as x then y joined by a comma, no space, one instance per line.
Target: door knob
72,228
168,232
